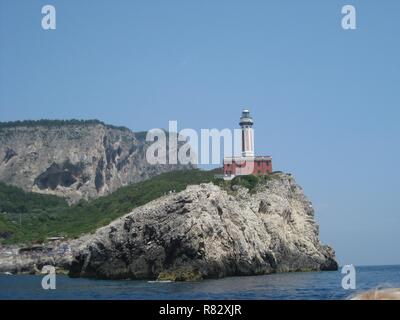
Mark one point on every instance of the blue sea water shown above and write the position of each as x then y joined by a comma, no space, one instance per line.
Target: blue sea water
305,285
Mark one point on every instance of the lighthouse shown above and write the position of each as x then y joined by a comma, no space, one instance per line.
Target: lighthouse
247,163
246,124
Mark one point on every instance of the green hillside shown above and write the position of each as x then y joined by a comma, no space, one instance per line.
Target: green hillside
15,200
28,217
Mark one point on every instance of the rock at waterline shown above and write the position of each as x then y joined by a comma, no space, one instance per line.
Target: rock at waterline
206,232
201,232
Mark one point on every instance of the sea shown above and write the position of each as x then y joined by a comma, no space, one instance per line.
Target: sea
325,285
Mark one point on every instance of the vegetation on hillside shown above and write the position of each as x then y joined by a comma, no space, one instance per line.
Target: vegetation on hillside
249,182
29,217
15,200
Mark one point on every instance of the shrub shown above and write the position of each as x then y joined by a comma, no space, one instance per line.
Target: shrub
248,181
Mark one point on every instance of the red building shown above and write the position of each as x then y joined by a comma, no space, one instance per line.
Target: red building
248,163
237,166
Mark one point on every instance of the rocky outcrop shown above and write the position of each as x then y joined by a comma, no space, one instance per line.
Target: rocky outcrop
73,159
31,259
204,232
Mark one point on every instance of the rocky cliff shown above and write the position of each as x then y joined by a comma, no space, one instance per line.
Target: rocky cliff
73,159
202,232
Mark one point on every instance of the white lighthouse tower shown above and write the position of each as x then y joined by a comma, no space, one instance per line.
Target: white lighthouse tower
246,123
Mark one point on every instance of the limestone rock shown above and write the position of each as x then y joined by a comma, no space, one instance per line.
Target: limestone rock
201,232
207,232
75,160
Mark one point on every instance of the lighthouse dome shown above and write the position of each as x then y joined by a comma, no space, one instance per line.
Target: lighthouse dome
246,119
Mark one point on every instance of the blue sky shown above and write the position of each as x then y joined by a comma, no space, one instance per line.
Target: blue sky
325,100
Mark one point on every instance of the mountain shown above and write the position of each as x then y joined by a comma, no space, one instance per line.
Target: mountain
247,226
74,159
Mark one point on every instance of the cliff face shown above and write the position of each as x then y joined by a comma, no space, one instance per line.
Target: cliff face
201,232
205,232
74,160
